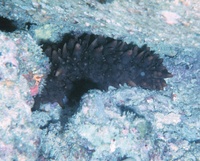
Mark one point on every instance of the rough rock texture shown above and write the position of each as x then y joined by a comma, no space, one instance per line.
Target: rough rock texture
170,27
165,25
19,137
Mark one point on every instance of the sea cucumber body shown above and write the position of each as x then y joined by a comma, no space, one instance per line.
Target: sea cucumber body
88,61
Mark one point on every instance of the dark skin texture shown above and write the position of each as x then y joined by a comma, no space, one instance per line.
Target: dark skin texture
83,62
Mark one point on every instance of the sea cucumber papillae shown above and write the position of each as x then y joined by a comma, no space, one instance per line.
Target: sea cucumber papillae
88,61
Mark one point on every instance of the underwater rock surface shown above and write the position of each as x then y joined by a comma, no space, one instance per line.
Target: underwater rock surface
166,121
19,57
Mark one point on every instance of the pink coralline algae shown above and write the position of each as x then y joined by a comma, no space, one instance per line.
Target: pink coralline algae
170,17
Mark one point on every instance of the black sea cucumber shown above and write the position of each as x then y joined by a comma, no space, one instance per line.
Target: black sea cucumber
88,61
